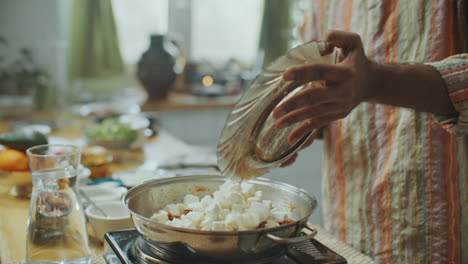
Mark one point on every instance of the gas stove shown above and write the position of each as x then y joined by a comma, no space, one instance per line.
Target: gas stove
127,247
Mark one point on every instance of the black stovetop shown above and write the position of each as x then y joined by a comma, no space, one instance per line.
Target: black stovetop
120,247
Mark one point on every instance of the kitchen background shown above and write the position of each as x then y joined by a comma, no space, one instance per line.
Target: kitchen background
212,37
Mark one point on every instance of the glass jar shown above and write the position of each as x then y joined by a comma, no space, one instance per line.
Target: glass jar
56,230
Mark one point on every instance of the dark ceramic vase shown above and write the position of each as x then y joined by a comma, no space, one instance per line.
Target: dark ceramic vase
156,70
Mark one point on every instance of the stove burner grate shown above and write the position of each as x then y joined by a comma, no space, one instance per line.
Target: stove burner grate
148,253
127,247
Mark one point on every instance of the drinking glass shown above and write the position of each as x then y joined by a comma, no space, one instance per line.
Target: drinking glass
56,231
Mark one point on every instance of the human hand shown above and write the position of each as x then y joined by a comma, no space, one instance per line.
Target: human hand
308,142
347,84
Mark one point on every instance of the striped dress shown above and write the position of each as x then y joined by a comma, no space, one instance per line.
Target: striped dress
395,181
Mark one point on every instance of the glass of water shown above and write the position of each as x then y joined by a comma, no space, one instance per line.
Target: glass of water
56,223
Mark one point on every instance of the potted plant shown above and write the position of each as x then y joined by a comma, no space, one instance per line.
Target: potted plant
23,85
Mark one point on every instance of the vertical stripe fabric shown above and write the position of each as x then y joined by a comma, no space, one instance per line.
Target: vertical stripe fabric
395,181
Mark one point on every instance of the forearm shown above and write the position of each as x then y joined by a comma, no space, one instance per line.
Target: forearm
419,87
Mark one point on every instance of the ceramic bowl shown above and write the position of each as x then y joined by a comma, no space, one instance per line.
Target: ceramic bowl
117,218
109,191
137,123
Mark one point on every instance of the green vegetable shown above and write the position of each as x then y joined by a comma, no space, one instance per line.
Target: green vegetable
22,140
111,129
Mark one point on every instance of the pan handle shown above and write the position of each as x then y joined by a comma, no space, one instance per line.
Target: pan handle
290,240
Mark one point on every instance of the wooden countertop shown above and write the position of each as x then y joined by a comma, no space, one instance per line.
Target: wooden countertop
14,211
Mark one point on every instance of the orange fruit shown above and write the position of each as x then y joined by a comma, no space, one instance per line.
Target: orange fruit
13,160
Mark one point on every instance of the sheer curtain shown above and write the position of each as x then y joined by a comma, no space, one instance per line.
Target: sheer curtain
136,21
97,72
94,47
277,29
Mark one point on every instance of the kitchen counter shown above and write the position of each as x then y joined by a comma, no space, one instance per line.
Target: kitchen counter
14,211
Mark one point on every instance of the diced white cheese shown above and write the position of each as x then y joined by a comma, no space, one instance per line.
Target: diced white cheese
253,199
259,195
206,223
218,226
267,203
213,210
271,223
234,206
232,220
234,198
238,208
260,210
249,221
280,215
160,216
230,186
175,209
224,213
194,217
187,223
205,201
218,195
247,189
175,222
196,207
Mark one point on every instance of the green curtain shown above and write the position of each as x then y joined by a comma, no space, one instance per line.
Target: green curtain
94,48
276,30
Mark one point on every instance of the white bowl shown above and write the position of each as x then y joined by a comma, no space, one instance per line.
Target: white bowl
118,218
103,192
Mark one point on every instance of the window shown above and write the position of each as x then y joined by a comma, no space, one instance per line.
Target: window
136,20
209,30
226,29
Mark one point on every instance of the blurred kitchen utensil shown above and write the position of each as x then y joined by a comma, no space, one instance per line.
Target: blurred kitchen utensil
85,196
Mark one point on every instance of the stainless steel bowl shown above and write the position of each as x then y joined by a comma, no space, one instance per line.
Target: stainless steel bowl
228,246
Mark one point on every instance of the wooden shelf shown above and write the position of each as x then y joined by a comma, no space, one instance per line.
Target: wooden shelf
183,102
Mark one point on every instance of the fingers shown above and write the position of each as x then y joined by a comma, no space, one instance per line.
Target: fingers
310,125
309,98
317,72
310,139
325,48
308,142
344,40
290,161
305,113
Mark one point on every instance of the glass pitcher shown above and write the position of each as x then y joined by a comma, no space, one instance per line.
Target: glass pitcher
56,231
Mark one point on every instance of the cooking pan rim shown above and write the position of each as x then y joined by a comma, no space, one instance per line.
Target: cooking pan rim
134,190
